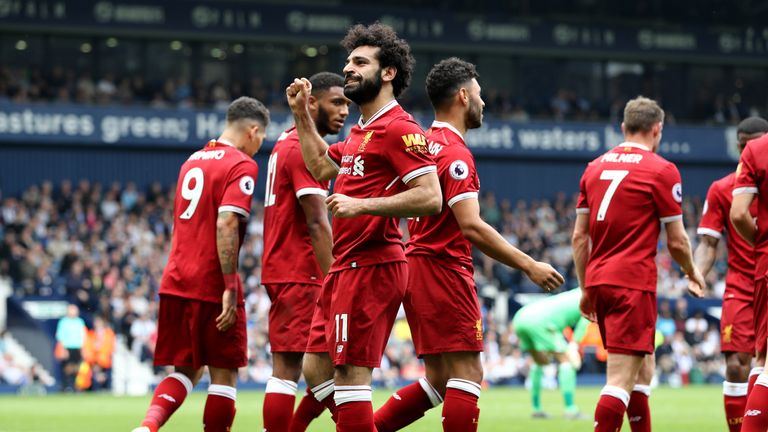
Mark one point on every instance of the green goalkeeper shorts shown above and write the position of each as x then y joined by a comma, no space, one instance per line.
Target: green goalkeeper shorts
540,337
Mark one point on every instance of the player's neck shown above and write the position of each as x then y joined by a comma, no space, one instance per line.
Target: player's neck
643,139
454,120
367,110
235,142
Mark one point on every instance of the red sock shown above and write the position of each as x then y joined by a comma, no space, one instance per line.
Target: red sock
309,409
168,397
756,411
219,408
753,374
460,411
406,406
735,402
278,405
609,413
354,409
638,411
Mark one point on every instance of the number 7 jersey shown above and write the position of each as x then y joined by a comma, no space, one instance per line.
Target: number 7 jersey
217,178
628,193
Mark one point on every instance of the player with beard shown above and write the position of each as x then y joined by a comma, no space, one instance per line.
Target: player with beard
740,320
441,300
383,172
297,255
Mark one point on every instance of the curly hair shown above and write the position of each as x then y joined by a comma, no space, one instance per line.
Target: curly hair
446,77
393,51
752,125
246,107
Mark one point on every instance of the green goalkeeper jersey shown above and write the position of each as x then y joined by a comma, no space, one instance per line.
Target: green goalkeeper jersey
554,312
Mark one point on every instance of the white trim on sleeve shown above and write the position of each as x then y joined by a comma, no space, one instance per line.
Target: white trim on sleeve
333,162
582,210
669,219
311,191
234,209
709,232
462,197
745,190
418,172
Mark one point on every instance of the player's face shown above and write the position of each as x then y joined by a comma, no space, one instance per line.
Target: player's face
362,75
474,115
332,111
744,138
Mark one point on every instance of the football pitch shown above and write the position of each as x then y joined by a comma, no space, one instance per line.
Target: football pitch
696,408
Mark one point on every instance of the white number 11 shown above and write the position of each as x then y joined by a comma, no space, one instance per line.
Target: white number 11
615,176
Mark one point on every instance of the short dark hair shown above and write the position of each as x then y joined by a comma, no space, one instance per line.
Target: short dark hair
393,51
752,125
445,79
641,114
246,107
323,81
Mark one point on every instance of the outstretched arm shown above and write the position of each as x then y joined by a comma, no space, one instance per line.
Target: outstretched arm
491,243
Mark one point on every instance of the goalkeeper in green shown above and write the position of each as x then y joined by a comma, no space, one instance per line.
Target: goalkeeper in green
539,326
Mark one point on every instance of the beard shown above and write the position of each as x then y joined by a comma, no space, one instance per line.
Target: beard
323,123
366,90
474,116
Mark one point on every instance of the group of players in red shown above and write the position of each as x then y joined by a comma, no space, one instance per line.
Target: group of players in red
336,288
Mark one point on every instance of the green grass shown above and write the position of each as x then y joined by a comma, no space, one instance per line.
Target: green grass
503,409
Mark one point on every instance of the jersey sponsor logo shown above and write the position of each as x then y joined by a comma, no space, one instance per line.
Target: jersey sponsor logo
677,192
415,143
246,185
207,155
434,148
459,170
359,167
364,143
633,158
728,333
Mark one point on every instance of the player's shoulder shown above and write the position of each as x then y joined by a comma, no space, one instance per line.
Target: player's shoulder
724,183
398,121
289,138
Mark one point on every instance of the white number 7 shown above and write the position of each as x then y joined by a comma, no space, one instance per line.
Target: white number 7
615,176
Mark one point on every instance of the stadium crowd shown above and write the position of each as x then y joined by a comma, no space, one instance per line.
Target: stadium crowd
104,247
60,85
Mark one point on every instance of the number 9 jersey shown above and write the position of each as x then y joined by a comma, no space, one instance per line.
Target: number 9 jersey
628,193
218,178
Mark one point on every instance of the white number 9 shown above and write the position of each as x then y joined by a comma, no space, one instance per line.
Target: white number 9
192,195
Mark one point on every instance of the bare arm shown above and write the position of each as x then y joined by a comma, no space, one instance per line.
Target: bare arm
491,243
319,229
581,247
680,248
742,219
227,246
422,198
313,146
705,254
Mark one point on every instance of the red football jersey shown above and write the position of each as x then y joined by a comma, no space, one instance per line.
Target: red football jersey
288,254
628,192
716,220
377,160
751,178
440,235
215,179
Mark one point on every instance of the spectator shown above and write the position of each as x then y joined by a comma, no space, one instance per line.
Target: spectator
98,349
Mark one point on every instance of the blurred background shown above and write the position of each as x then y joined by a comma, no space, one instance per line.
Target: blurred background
101,102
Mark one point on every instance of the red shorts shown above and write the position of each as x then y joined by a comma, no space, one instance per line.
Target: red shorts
187,335
442,308
760,313
737,326
630,315
362,307
317,342
291,315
